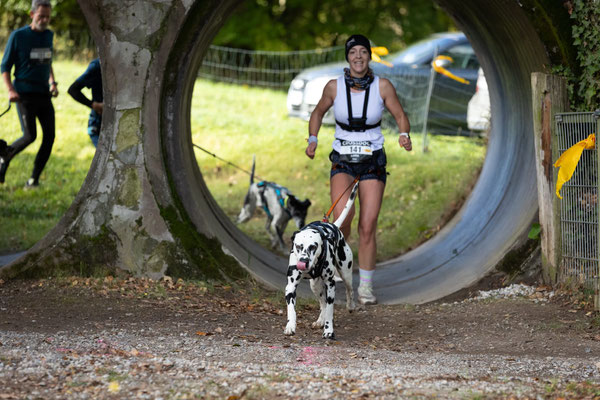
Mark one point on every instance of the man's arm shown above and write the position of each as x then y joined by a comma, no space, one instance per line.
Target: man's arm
13,96
53,84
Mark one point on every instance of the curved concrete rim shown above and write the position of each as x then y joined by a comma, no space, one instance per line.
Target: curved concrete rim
498,212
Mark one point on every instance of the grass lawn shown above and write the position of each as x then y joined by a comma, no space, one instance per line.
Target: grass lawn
236,122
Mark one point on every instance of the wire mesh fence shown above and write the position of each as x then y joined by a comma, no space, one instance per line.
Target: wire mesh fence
446,109
579,206
272,69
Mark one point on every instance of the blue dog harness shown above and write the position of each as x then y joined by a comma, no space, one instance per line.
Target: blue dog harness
278,191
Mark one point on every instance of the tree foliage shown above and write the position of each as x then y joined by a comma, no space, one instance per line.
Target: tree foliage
586,38
309,24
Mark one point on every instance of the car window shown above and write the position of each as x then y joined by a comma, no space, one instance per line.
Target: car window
463,57
413,54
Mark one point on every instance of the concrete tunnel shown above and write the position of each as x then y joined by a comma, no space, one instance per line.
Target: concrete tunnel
151,52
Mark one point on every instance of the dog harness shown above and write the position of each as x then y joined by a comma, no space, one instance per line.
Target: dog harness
331,236
278,191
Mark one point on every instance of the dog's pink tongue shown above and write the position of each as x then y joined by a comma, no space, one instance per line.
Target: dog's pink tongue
301,265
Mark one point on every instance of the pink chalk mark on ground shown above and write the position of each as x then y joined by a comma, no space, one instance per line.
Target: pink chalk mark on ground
308,356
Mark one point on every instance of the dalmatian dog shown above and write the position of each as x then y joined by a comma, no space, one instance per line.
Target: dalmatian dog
279,204
318,250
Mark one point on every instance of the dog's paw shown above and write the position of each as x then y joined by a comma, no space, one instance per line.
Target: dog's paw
329,335
350,306
318,323
290,329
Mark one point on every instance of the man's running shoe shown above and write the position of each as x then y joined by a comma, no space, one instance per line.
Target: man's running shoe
3,168
32,184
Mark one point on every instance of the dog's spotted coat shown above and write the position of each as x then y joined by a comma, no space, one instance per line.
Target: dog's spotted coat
318,250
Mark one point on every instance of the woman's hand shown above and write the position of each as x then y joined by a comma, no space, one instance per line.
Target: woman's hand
311,149
404,141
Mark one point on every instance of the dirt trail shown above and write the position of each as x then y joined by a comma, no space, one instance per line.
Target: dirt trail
113,338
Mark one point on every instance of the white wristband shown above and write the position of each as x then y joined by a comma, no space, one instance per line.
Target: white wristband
312,139
404,134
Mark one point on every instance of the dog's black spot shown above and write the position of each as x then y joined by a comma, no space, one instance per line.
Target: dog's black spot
350,264
290,297
326,325
330,300
291,270
341,253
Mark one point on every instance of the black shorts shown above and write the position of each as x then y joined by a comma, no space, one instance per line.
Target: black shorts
372,169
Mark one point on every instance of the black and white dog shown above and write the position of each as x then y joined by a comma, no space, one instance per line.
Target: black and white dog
279,204
318,250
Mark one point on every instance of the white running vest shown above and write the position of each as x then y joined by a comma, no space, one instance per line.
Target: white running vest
374,113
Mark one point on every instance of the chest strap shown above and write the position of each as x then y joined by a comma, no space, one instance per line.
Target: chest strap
357,124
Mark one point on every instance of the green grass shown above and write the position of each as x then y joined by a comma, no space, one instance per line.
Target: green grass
236,122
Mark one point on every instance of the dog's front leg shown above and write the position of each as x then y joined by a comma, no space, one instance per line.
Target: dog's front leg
318,288
330,299
293,279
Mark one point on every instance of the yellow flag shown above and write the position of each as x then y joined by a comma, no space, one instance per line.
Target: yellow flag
569,159
441,70
380,51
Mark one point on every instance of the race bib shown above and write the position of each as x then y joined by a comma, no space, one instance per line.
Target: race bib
355,152
40,56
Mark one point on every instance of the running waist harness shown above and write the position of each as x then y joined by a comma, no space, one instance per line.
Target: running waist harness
357,124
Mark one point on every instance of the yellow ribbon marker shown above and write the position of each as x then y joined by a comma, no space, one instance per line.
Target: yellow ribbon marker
569,159
441,70
378,51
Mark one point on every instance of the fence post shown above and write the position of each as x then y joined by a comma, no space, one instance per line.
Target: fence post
549,96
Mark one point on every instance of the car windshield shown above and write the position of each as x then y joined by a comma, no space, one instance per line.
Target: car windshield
417,53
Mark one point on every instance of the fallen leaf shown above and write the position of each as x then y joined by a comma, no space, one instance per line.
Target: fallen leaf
114,387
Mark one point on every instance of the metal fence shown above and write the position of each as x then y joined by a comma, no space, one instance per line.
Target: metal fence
579,206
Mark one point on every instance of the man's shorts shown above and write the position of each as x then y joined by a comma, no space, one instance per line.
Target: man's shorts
372,169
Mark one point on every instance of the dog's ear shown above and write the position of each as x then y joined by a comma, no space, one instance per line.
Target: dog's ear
307,203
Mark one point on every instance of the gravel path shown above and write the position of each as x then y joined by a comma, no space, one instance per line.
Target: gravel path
154,349
126,364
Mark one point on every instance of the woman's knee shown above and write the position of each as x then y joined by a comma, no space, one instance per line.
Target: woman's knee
367,232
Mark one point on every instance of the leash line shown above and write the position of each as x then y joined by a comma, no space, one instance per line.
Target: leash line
225,161
328,213
9,104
